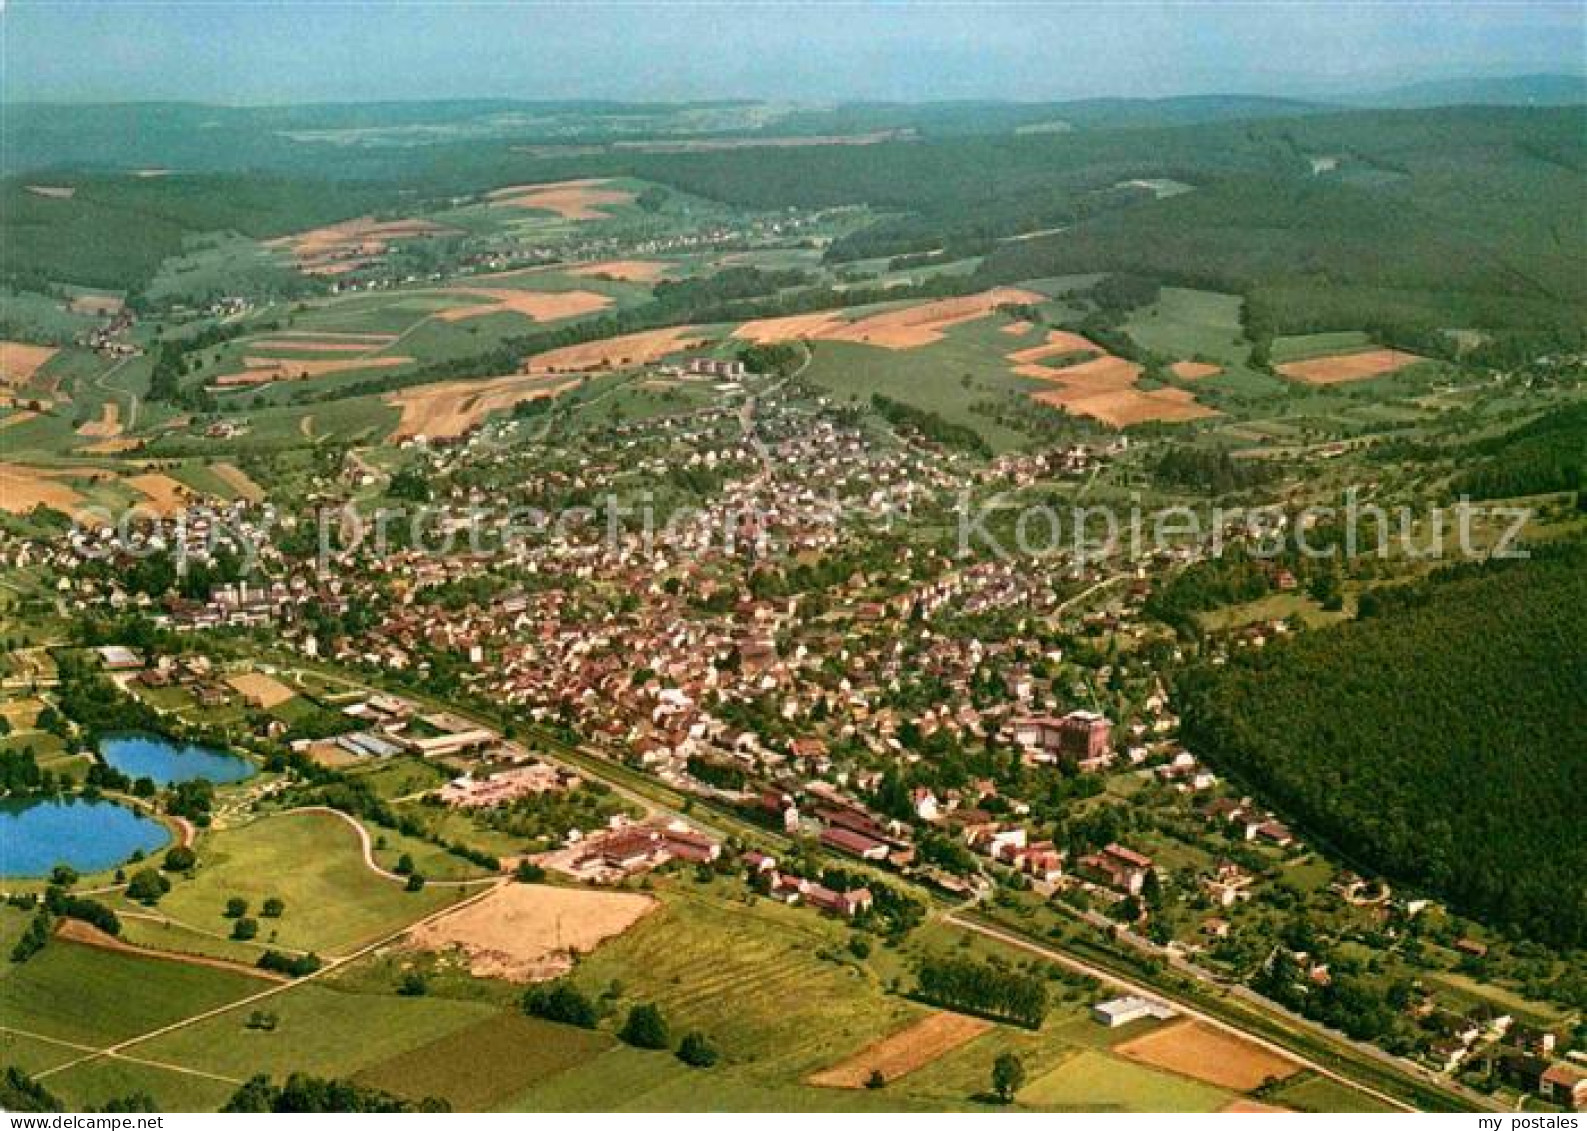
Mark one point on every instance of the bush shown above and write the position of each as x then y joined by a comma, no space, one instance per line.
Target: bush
1008,1076
20,1092
236,907
697,1051
244,929
273,907
645,1028
91,911
562,1002
147,886
293,965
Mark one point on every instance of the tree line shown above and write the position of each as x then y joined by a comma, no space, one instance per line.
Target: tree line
982,987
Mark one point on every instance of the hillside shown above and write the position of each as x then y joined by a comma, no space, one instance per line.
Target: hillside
1455,217
1444,740
1509,90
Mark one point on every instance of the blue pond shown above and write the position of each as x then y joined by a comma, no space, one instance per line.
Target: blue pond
144,756
90,836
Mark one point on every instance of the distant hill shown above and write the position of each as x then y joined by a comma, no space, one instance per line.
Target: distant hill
196,137
958,119
1512,90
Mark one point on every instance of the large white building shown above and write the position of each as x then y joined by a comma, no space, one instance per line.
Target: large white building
1123,1010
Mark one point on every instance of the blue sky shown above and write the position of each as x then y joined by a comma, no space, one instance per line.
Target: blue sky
249,51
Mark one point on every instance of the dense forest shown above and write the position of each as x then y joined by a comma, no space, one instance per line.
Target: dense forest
1548,454
1441,741
115,231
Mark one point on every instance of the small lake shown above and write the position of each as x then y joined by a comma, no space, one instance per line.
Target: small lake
167,762
90,836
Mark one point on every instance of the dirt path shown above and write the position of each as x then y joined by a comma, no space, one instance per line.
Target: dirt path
77,931
131,421
118,1050
368,847
129,1059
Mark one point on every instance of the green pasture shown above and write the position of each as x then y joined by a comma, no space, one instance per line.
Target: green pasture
1299,347
1095,1081
949,377
313,862
1184,324
487,1063
325,1031
1307,1091
72,992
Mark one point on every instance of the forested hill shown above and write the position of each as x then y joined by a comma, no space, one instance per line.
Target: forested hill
1411,220
1442,741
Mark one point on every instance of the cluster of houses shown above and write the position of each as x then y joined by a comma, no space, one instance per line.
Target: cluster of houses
110,339
723,369
1117,867
1486,1043
1251,821
784,887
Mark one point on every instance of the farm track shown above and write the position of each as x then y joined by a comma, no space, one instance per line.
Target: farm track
84,934
185,1071
131,422
118,1050
368,847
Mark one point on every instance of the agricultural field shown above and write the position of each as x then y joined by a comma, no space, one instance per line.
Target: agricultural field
1183,325
1310,1092
1094,1081
317,1028
1211,1055
524,933
950,377
115,996
488,1063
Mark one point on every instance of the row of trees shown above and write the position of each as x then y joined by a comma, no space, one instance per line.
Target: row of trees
982,987
302,1093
